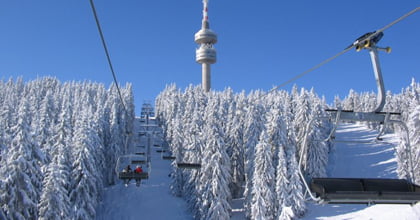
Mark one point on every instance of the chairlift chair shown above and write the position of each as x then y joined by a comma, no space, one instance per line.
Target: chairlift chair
365,191
138,162
168,157
362,190
132,159
133,175
165,152
188,165
184,165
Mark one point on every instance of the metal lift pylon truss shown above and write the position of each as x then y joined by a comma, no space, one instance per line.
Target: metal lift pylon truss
362,190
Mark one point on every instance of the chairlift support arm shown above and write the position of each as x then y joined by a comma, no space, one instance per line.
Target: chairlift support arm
373,51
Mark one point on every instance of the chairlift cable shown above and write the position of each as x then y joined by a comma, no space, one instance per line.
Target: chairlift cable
310,70
366,38
399,19
107,53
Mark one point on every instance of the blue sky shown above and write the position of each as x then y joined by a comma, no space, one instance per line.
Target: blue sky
261,43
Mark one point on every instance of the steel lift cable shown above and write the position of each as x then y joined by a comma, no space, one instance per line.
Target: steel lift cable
107,53
110,65
359,42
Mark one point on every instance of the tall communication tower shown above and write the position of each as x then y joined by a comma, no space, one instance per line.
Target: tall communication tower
205,54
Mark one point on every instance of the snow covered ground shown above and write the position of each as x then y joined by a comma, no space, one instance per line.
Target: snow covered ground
152,200
362,160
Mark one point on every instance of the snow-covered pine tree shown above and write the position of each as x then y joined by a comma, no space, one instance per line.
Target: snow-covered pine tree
177,175
282,182
236,146
275,126
23,178
173,108
54,202
254,125
263,197
295,196
351,101
44,125
192,124
337,102
215,172
292,103
115,142
414,128
130,108
193,143
317,152
86,178
302,118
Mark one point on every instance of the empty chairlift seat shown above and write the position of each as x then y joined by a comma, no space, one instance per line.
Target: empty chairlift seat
189,165
168,157
365,191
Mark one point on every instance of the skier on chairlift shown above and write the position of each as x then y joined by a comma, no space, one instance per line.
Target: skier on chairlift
138,170
127,170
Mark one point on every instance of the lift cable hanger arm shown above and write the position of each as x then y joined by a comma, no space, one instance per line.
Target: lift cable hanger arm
358,42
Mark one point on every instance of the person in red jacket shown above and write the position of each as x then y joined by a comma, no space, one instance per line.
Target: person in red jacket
138,169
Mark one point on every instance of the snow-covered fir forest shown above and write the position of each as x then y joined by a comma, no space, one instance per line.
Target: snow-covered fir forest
248,145
59,143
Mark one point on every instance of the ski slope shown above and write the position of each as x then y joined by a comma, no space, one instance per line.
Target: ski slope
152,200
375,160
